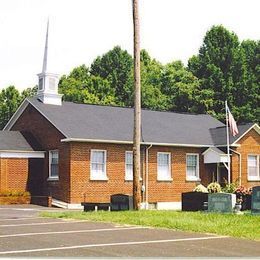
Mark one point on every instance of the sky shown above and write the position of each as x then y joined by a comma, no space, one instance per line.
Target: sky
80,30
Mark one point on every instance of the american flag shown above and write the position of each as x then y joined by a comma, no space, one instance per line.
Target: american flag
232,123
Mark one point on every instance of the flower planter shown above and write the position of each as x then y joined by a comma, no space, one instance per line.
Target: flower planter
194,201
7,200
246,203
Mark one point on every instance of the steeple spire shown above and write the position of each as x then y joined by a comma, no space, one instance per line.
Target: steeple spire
48,82
45,57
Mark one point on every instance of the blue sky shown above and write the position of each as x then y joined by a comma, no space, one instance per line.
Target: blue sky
82,29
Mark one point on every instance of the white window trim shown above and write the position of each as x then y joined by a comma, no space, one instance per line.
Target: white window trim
249,178
101,178
53,178
131,179
170,168
126,177
197,177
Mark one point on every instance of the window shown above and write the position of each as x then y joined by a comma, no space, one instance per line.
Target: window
253,166
164,166
129,165
98,165
192,167
53,164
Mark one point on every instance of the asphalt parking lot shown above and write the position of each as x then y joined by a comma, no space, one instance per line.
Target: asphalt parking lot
24,234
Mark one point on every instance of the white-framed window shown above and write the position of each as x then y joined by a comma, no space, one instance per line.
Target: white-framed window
192,167
98,165
253,167
128,165
54,164
164,166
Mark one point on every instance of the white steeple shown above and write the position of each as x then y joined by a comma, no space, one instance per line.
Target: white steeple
48,82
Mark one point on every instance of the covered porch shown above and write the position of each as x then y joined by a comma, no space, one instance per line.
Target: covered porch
216,165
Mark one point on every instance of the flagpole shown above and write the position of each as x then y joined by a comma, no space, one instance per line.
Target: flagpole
228,153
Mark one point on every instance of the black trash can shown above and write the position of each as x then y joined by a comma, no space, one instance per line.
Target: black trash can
121,202
194,201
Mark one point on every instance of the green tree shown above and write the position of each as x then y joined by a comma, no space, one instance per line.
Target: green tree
221,71
152,96
116,67
10,100
249,108
180,86
29,92
82,87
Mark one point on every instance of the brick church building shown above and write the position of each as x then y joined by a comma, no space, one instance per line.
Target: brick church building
79,152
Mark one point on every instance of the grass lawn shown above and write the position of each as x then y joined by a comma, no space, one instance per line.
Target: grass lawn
242,226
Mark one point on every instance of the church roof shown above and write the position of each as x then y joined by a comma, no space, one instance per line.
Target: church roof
110,123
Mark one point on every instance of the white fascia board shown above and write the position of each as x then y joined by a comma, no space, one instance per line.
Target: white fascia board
255,127
22,154
224,145
16,115
209,149
130,142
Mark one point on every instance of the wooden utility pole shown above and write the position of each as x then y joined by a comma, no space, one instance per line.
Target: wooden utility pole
137,110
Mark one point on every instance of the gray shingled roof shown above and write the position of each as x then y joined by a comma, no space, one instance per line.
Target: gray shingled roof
116,123
219,135
13,141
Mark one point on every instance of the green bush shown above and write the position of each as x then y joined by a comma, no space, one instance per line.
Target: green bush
230,188
201,188
214,187
13,193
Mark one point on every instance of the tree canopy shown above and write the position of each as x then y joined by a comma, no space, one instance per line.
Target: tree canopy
224,69
227,70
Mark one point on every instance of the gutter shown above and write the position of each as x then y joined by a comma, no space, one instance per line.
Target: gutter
131,142
146,174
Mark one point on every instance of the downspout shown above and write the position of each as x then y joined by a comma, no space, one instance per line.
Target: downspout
146,175
240,162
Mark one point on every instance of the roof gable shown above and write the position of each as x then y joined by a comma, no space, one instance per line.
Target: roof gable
219,135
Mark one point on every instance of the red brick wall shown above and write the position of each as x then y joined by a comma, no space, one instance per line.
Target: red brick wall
13,174
250,144
82,188
162,191
39,131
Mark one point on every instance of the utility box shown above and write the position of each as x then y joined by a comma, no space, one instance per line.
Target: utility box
194,201
255,206
121,202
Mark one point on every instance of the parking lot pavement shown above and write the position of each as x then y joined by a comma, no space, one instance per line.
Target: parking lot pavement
27,235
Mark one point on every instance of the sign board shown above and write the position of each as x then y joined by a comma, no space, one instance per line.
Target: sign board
255,206
221,202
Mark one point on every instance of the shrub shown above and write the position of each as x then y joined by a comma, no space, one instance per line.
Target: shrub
201,188
242,191
230,188
10,193
214,187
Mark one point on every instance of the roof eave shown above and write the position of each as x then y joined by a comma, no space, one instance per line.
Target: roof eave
84,140
21,154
